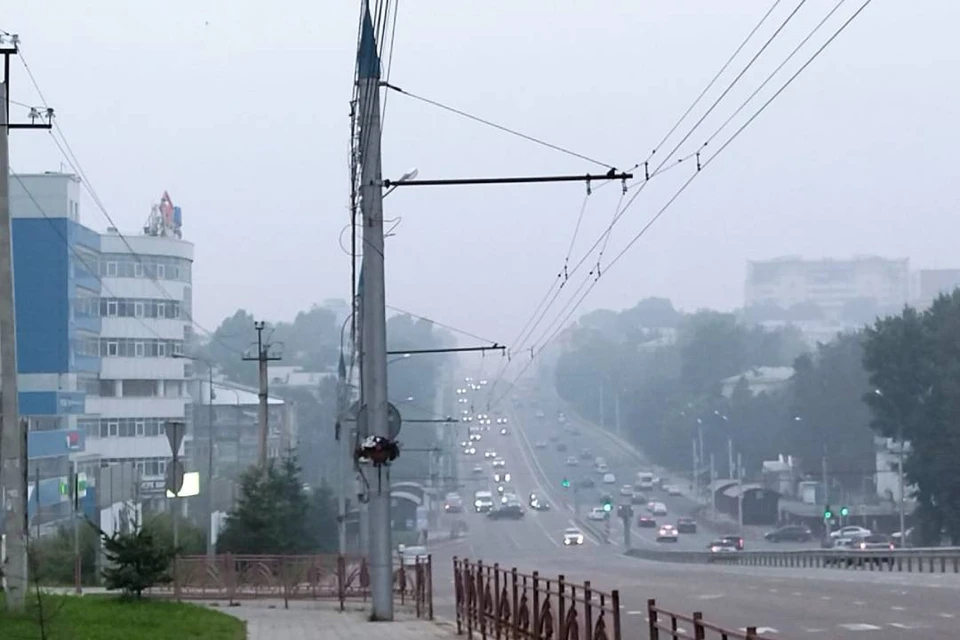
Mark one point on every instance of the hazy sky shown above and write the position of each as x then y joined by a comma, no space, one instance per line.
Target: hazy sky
242,114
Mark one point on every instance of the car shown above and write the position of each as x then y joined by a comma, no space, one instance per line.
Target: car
499,463
483,501
561,447
503,431
572,537
501,477
572,461
554,437
541,415
464,443
673,490
658,509
789,533
469,451
586,454
475,437
646,522
627,490
453,503
489,454
597,513
668,533
538,504
539,444
605,498
586,483
409,556
609,478
736,541
509,511
874,542
851,532
601,468
686,525
501,421
637,497
561,418
722,545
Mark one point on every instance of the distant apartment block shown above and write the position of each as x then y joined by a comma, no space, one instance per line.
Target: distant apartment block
930,283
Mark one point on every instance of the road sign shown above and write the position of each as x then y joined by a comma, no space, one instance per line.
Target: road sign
394,421
175,477
175,433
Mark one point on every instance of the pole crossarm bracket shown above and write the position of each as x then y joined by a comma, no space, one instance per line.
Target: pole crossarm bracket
452,182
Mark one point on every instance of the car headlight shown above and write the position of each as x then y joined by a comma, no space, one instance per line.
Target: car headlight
566,541
579,539
477,503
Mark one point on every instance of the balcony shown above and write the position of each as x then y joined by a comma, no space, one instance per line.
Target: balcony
153,407
141,369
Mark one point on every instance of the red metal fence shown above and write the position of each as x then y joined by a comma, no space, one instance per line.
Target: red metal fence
292,577
503,603
668,624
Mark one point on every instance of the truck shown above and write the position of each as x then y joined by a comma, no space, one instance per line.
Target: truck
644,481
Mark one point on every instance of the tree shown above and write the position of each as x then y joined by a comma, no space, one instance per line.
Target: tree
135,561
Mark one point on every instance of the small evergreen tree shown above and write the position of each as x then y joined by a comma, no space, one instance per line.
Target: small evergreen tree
136,561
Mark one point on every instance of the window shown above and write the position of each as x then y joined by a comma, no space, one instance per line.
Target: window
161,310
140,428
111,308
108,388
112,269
112,348
113,428
138,350
138,270
161,349
138,309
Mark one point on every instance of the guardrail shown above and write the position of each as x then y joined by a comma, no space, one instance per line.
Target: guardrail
505,603
928,560
294,577
669,622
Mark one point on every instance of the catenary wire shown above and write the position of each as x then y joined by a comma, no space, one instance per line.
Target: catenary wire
440,324
687,183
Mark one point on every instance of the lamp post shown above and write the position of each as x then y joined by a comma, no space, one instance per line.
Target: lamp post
208,527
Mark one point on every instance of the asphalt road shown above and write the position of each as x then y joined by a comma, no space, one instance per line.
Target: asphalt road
793,602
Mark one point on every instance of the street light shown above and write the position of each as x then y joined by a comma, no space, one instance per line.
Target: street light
398,359
208,527
409,175
896,410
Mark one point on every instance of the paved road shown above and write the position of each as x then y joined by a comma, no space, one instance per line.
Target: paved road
795,602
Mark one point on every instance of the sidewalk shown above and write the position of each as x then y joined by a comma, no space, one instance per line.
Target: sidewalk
268,620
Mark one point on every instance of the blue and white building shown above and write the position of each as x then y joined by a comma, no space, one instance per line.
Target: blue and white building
99,319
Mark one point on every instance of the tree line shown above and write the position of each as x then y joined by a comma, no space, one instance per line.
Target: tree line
674,377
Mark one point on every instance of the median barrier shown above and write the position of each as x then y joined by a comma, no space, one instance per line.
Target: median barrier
926,560
503,603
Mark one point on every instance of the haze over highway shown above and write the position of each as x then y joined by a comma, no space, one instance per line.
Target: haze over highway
795,603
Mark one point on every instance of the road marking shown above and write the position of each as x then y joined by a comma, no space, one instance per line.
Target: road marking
946,615
796,593
826,598
814,630
897,609
904,625
710,596
761,630
859,626
859,603
634,613
773,590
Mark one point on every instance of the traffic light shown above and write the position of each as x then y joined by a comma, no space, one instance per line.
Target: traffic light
827,513
844,511
565,483
607,506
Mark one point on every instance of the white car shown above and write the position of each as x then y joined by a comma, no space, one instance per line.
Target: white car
626,490
609,478
469,451
501,421
572,461
499,463
673,490
410,555
659,509
851,532
602,468
572,537
501,477
668,533
597,513
489,453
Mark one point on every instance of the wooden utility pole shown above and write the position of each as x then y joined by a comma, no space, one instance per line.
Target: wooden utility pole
263,357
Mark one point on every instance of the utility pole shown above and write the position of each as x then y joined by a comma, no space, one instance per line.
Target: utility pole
730,472
616,410
13,431
740,491
603,416
262,358
696,470
374,321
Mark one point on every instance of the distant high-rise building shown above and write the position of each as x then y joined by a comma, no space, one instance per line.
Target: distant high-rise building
932,282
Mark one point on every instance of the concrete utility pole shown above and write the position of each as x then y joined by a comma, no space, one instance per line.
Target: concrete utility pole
262,358
13,432
374,323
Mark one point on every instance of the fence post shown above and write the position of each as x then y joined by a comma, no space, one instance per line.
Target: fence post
341,580
652,617
588,610
417,573
615,595
536,603
496,600
515,608
430,586
698,630
561,606
751,633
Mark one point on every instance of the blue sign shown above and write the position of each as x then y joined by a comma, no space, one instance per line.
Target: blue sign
51,444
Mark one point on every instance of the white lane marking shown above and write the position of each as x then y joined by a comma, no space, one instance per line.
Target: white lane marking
710,596
859,603
797,593
826,598
897,609
773,590
634,613
761,630
904,625
859,626
814,630
946,615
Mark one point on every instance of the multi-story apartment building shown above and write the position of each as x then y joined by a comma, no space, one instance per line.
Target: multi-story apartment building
99,319
830,284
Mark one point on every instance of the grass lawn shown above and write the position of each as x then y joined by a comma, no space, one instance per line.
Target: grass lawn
108,618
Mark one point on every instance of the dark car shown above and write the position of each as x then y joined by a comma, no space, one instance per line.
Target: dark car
686,525
561,446
606,498
789,533
737,541
646,522
638,498
507,512
586,483
586,454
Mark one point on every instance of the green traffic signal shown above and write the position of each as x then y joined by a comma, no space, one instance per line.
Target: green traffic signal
844,511
565,483
607,507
